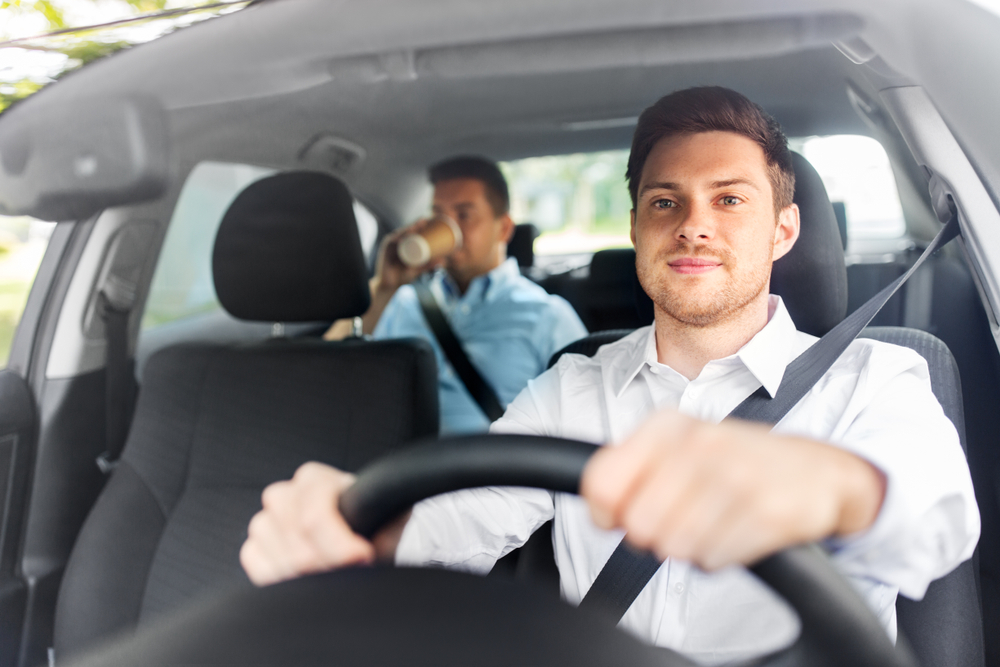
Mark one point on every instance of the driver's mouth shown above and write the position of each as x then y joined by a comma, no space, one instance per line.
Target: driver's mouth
693,265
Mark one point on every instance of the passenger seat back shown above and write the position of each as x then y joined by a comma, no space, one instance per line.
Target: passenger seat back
215,424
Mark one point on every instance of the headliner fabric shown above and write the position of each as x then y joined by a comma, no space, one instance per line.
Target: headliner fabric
288,250
213,426
812,277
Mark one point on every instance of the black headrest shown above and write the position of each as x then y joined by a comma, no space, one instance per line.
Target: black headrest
288,250
522,244
812,277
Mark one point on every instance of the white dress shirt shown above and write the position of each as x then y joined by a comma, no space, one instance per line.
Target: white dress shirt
875,401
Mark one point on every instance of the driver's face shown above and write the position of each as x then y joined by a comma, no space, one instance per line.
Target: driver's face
704,227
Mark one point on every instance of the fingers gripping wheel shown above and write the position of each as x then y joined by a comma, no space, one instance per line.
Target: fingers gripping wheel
366,616
837,626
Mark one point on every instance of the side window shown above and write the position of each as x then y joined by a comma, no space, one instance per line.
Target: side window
861,185
22,243
182,286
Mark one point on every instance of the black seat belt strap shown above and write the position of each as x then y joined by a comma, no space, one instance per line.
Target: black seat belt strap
482,393
628,571
119,392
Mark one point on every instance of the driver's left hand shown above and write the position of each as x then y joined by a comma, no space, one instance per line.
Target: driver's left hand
727,494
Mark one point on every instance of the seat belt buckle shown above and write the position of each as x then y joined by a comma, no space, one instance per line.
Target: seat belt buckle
105,464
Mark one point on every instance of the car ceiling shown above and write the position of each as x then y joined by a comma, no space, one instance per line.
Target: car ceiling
411,82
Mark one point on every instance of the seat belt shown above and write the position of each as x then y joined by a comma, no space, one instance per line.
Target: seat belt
482,393
629,570
119,382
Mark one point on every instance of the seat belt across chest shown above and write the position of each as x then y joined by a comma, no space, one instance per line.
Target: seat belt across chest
628,570
480,390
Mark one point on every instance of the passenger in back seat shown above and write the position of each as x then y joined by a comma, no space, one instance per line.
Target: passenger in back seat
508,326
867,460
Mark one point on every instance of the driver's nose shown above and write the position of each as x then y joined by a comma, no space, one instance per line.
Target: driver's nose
697,225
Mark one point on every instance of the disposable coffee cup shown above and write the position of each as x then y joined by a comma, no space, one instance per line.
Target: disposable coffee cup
438,239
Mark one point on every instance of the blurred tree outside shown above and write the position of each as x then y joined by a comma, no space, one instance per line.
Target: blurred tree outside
28,63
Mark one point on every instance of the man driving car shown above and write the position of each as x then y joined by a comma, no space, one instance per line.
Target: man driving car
507,325
866,460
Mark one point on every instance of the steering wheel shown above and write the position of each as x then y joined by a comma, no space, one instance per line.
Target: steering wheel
407,616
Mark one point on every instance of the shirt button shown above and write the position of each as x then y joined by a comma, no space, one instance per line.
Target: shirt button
679,588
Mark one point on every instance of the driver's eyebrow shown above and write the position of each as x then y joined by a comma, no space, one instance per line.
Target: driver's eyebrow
663,185
729,182
715,185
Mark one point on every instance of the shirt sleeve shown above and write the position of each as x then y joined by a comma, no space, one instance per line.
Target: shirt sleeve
929,521
470,530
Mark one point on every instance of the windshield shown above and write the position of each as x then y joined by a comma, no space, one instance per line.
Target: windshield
42,41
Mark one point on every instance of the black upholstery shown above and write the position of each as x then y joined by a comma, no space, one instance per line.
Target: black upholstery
522,244
288,250
214,425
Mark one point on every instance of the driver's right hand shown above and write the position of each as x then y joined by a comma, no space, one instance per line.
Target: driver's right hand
299,530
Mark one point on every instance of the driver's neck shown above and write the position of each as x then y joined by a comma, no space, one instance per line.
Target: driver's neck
687,348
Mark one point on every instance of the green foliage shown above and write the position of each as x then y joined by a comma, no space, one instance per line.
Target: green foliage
80,46
52,13
12,92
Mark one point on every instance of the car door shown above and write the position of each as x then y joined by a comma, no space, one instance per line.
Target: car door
31,253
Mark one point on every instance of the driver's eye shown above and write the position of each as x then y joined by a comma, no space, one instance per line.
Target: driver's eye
730,201
665,203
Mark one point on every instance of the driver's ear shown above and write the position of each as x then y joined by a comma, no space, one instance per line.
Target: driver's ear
631,226
786,232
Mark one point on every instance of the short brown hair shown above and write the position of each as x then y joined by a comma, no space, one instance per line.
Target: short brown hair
713,109
483,170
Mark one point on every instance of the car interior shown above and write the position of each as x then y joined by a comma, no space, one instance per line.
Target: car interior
219,195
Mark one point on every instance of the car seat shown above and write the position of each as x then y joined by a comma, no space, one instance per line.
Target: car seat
215,423
945,627
522,245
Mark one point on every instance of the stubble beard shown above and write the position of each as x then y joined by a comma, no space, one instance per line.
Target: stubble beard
727,302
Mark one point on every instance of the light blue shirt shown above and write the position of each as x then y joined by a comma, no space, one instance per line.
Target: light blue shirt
509,328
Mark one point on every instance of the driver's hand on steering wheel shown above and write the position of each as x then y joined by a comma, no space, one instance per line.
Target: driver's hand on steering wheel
726,494
715,495
300,531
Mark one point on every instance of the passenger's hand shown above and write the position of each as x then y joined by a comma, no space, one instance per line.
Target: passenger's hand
300,531
390,271
731,493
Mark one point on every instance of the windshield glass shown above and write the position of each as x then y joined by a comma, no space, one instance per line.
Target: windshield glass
38,44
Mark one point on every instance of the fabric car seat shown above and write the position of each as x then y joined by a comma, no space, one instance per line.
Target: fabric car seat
945,628
214,424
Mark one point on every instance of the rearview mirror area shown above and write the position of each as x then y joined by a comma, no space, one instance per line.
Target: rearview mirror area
69,163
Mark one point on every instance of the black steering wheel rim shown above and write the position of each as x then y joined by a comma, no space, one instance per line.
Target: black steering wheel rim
407,616
837,625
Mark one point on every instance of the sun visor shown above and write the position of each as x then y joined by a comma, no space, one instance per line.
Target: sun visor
70,162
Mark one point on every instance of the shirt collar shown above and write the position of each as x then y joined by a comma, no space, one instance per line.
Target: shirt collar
766,354
482,286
